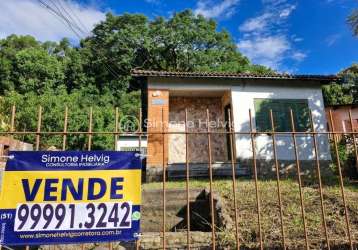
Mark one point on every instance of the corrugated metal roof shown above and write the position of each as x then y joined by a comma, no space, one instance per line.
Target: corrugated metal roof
223,75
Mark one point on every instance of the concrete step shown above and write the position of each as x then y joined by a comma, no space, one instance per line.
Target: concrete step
178,170
156,195
176,203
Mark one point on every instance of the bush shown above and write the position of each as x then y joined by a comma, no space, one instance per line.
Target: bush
346,156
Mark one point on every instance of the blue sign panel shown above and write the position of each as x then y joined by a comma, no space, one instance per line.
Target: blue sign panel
63,197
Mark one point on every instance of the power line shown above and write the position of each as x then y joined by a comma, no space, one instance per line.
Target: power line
60,12
76,17
53,11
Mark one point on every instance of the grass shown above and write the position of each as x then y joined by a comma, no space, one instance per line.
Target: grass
270,218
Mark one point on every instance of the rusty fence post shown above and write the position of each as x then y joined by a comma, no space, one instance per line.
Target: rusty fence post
187,180
12,124
137,242
320,188
346,216
279,196
116,116
211,181
164,180
65,123
89,145
12,129
38,132
298,169
233,169
354,139
254,163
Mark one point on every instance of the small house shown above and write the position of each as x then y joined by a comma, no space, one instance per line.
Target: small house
168,96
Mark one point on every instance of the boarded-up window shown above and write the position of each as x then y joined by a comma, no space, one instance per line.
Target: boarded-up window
281,114
347,126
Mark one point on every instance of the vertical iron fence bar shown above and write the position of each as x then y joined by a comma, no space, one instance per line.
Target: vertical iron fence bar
318,169
254,163
211,182
140,131
65,122
64,138
187,180
298,167
164,179
233,168
354,138
277,179
116,125
137,242
89,146
39,118
110,245
12,124
341,181
12,128
38,131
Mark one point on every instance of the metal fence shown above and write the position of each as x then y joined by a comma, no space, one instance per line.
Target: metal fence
90,133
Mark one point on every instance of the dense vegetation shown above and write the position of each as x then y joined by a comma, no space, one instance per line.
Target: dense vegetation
97,72
345,91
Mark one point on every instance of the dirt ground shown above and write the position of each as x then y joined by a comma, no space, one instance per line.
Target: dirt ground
292,216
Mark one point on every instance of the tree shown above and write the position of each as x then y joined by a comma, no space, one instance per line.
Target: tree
336,94
353,21
97,72
184,42
53,102
9,47
36,71
345,91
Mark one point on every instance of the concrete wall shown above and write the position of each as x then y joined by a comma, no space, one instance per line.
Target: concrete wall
243,99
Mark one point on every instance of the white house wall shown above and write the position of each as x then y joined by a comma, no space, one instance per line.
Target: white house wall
243,93
243,99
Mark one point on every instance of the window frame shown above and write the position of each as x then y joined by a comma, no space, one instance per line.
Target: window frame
281,114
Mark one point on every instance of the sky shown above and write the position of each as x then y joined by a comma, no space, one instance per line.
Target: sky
299,37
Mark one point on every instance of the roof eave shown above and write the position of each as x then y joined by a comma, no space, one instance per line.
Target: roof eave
168,74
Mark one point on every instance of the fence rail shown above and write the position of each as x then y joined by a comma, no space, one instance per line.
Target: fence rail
350,241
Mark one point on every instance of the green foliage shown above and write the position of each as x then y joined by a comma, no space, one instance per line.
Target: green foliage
78,103
185,42
97,73
353,21
346,158
337,94
35,70
344,92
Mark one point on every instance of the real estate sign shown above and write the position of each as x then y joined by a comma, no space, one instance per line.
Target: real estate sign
70,197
